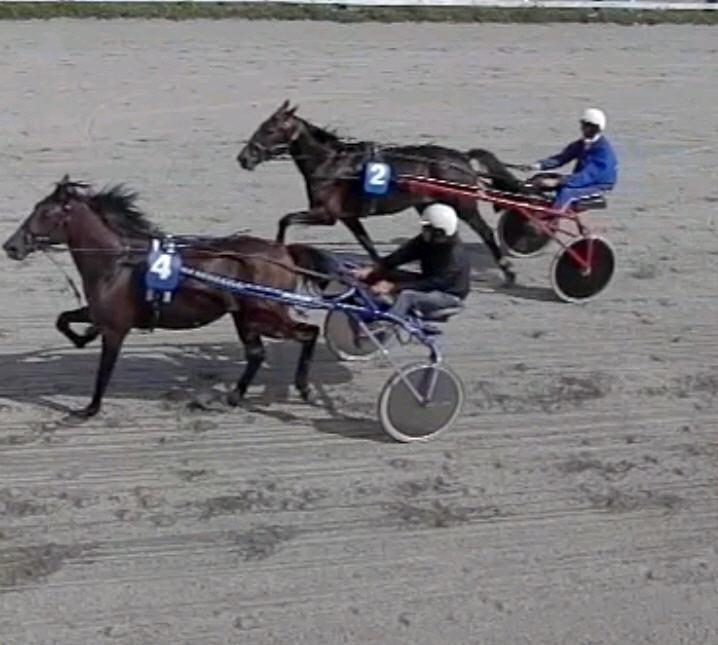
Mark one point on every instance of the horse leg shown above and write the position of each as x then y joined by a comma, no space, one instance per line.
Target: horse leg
255,354
111,344
81,315
307,335
311,218
473,218
360,233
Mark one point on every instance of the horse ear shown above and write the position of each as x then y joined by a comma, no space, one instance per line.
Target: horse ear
284,106
293,110
64,189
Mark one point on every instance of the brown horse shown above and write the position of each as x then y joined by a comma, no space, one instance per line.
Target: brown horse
109,240
331,169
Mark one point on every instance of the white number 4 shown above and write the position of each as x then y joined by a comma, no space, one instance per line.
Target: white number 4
162,266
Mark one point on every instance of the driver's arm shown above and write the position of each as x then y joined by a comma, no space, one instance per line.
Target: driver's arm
407,252
440,282
569,153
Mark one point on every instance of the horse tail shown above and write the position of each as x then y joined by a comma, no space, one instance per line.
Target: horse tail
318,266
495,170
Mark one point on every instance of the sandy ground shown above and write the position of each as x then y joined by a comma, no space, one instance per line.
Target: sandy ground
574,503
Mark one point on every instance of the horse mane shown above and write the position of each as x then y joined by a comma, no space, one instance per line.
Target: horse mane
328,137
116,206
322,135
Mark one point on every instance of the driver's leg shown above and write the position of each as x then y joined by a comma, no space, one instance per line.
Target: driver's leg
424,302
566,195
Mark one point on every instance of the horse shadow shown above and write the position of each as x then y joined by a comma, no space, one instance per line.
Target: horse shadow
192,378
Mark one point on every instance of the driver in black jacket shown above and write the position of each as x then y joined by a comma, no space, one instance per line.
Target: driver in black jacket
444,280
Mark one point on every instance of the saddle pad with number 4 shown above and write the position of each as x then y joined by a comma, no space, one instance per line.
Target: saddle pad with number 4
164,268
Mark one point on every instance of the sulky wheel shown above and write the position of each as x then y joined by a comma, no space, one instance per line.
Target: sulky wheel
574,282
518,236
408,418
345,339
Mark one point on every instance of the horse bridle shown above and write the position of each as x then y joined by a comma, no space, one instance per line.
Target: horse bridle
265,153
40,242
277,150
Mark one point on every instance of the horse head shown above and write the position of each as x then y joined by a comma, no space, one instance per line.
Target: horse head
271,138
47,223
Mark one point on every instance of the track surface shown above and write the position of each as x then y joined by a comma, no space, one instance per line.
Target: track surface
574,503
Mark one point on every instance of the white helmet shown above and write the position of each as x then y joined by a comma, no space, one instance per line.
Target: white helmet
595,117
441,216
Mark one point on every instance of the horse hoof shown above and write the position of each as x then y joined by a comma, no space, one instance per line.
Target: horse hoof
508,270
306,393
234,398
85,413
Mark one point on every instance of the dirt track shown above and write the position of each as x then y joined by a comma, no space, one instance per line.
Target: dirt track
575,503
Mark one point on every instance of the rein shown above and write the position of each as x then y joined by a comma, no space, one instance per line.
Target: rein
232,255
297,270
69,280
284,156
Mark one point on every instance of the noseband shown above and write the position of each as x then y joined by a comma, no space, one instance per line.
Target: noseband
268,152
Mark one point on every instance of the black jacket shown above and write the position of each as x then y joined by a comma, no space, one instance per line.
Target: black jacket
444,267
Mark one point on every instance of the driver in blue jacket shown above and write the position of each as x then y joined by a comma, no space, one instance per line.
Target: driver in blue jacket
596,164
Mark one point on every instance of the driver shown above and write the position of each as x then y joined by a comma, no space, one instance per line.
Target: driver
596,165
445,267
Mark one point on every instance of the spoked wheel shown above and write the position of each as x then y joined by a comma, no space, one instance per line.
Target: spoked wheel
346,339
518,236
573,282
431,405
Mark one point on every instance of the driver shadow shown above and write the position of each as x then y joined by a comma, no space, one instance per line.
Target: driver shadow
525,292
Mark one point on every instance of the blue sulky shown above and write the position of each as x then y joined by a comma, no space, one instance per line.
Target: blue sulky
418,401
165,272
355,301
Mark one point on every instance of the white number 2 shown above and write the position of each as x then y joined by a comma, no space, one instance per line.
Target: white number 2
162,266
378,173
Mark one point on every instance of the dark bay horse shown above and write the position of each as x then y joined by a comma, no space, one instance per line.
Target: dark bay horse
331,170
109,239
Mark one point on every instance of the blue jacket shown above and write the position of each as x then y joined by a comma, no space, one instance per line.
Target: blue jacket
596,163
